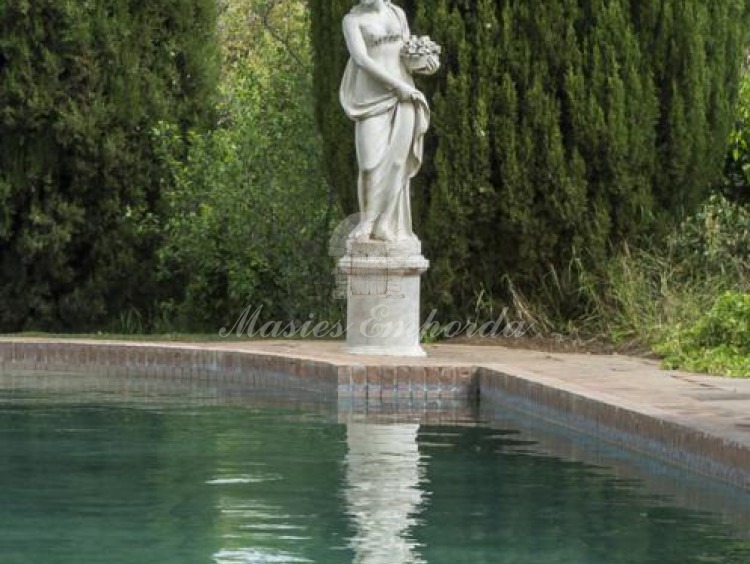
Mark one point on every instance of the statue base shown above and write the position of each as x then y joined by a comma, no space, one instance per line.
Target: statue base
381,283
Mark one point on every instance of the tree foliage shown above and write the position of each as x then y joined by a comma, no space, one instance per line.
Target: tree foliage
249,213
737,172
81,86
560,129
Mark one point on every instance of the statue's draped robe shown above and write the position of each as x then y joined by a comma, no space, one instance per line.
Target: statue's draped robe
389,148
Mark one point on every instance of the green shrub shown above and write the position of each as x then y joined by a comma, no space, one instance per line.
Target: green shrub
249,213
716,240
718,343
640,296
737,170
650,292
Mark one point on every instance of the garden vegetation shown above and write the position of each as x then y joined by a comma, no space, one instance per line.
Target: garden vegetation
82,85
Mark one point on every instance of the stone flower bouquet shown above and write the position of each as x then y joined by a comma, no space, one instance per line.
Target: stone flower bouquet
418,52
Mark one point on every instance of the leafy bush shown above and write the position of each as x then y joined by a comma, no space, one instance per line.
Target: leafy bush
716,239
647,293
737,170
250,213
718,343
642,297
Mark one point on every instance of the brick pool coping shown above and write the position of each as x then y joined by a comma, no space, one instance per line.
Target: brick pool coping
694,421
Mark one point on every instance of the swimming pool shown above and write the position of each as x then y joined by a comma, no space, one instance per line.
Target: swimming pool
143,470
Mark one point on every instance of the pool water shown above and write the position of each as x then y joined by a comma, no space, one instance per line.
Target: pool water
128,476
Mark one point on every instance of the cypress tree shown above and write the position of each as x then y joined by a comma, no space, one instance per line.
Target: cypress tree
453,168
330,58
560,129
82,86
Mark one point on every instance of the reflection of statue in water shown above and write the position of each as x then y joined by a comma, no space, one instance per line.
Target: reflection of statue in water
384,471
391,115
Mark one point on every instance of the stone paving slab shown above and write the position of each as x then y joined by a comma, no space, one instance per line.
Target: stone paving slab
709,415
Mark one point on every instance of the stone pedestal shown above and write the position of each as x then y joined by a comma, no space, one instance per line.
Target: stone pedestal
381,284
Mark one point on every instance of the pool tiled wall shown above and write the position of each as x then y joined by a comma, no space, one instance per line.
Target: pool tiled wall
335,380
648,434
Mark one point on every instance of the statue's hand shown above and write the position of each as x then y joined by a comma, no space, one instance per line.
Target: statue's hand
407,93
433,64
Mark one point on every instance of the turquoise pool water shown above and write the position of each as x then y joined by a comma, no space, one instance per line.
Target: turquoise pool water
130,473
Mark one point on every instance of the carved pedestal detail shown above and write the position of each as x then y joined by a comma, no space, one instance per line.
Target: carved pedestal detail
381,283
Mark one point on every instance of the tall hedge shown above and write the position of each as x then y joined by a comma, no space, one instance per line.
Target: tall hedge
560,129
82,85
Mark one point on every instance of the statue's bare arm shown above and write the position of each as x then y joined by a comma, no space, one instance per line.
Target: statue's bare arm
358,50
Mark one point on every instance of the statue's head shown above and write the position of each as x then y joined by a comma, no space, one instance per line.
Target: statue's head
370,4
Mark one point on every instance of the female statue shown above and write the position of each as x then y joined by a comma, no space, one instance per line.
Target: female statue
391,116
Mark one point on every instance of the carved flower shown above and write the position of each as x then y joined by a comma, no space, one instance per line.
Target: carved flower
420,47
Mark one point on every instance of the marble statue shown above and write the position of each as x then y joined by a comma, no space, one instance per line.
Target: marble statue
391,114
380,262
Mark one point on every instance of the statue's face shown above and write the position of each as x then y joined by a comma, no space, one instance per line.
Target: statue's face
368,3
